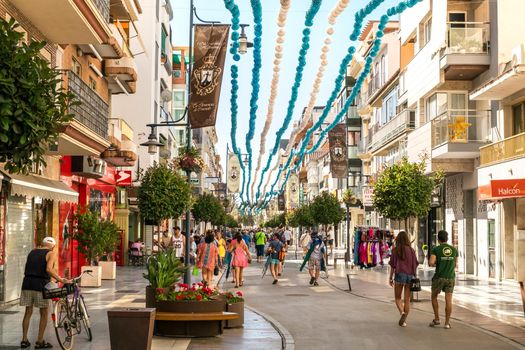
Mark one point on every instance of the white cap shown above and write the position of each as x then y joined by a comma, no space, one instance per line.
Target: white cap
49,240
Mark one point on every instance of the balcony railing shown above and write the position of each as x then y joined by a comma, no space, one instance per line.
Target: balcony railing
460,126
403,121
103,8
467,37
508,149
92,111
353,151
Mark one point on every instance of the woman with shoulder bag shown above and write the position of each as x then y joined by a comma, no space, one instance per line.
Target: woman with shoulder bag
403,269
207,258
241,258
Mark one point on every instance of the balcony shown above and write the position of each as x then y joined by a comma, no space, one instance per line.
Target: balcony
388,134
125,10
460,134
69,22
123,151
122,75
466,53
508,149
352,117
363,108
363,149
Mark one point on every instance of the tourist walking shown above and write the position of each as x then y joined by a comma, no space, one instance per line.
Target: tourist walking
241,258
179,243
41,265
315,257
207,258
260,241
221,245
275,247
403,269
444,258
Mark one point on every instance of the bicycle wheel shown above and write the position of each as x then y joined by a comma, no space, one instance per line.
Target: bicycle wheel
85,317
64,330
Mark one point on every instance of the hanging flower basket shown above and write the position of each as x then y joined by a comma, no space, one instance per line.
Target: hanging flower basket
190,160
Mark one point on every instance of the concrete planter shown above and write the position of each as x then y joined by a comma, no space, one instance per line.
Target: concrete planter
238,308
93,279
109,269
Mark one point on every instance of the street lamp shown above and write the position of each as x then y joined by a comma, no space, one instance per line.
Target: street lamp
244,44
152,142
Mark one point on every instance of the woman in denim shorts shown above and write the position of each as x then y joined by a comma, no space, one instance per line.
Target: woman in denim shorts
403,267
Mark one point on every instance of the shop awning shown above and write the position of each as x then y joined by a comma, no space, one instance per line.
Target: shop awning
37,186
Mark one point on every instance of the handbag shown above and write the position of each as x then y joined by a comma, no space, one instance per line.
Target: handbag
415,285
216,271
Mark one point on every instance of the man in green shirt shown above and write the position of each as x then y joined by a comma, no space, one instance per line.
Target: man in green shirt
260,241
444,258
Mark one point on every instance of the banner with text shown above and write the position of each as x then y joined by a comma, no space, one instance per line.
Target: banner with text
293,190
209,50
338,152
234,175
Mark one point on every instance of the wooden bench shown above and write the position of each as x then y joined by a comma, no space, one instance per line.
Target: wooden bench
192,324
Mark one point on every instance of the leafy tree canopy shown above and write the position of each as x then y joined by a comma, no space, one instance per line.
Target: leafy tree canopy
301,217
326,209
163,194
208,208
403,190
33,106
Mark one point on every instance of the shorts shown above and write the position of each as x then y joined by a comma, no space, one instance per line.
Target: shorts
443,285
260,249
288,242
314,264
34,298
275,261
403,278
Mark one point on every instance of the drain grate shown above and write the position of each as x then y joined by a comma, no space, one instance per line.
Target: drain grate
296,295
6,312
129,291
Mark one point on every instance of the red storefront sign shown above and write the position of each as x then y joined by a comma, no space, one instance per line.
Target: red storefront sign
123,178
502,189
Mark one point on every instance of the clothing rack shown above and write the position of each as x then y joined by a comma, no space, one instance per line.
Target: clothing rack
371,245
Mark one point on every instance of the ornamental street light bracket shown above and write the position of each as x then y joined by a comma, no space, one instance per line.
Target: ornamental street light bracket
244,44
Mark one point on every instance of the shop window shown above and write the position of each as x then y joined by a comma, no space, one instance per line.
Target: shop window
43,218
491,239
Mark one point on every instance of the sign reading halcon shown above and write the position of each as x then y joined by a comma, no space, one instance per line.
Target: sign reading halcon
209,54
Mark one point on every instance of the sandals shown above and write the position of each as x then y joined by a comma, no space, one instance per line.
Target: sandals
43,345
25,344
434,323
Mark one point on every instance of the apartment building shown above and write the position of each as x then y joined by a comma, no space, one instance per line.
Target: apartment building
89,41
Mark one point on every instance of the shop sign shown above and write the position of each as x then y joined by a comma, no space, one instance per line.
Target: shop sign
502,189
368,196
124,178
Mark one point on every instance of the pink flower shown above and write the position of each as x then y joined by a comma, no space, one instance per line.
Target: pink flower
239,294
198,297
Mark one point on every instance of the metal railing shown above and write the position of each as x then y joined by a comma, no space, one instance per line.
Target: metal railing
467,37
353,151
403,121
460,126
103,8
510,148
92,111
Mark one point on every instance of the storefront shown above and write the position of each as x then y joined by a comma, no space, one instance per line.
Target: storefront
28,212
502,246
94,181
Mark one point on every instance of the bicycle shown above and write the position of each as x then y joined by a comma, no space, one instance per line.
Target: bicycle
69,312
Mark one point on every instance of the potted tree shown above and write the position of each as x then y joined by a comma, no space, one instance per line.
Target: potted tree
91,244
111,236
235,303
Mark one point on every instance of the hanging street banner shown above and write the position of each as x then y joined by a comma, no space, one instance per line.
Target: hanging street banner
234,174
209,50
338,152
281,202
293,190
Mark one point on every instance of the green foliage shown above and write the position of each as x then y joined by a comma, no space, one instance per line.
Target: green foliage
33,106
110,237
231,222
90,237
326,209
208,208
164,269
403,190
300,217
163,194
276,221
349,198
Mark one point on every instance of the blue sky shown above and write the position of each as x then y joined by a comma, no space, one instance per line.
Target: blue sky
215,10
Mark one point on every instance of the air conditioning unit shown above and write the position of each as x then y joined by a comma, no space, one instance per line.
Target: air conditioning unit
518,55
88,166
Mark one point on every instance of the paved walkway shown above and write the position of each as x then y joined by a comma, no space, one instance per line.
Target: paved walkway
128,291
325,317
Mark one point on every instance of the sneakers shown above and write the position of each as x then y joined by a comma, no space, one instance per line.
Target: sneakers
315,283
447,326
435,323
402,320
312,280
275,281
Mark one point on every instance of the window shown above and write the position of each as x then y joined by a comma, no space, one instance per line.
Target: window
354,137
436,104
92,83
179,99
389,107
383,70
163,39
518,119
427,31
457,19
76,67
178,113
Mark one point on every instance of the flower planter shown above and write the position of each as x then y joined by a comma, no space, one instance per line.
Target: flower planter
150,297
193,328
109,269
238,308
93,279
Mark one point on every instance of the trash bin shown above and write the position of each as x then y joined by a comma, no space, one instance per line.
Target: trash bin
131,328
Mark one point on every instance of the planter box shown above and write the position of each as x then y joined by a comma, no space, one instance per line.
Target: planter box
109,269
140,321
150,297
239,309
189,329
94,279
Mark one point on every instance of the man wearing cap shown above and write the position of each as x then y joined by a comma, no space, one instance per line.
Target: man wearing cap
40,266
